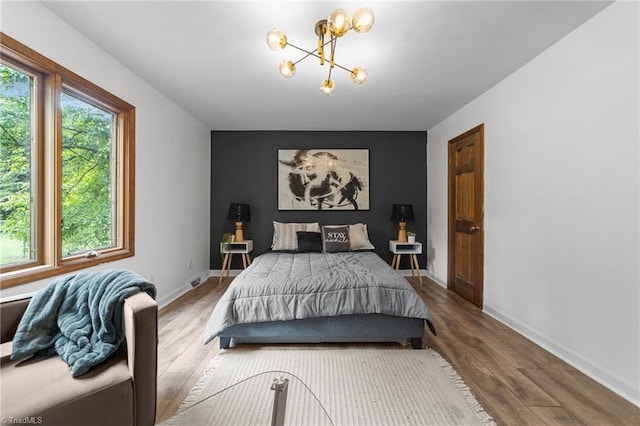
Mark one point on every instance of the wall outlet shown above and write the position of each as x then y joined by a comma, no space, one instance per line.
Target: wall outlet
189,263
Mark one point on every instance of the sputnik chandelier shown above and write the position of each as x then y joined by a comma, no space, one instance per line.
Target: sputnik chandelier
338,24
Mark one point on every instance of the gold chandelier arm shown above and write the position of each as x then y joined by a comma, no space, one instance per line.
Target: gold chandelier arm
332,62
315,55
340,66
334,42
312,53
321,51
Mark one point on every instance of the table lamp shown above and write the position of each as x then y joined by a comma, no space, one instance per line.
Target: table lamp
239,213
402,213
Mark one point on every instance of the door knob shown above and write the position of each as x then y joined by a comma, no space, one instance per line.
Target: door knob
474,228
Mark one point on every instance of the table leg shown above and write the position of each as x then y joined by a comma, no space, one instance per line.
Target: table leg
244,261
225,261
399,256
413,268
415,260
229,264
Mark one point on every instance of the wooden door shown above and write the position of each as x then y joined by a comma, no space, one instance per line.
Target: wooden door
466,214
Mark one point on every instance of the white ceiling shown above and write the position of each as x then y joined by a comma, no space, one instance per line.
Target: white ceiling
426,59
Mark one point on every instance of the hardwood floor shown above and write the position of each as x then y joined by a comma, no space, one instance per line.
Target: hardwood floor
517,382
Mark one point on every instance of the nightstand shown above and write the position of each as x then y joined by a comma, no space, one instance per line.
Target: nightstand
412,249
229,249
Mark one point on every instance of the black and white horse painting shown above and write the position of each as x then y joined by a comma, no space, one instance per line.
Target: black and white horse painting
323,179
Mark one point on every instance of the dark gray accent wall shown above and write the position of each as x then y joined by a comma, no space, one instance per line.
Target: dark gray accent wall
244,169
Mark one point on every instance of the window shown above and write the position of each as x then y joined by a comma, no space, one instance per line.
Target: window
16,168
87,187
66,169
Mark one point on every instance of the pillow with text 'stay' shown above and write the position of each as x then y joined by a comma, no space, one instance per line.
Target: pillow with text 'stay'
335,238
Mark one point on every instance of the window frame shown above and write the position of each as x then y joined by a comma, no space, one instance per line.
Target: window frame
52,80
36,181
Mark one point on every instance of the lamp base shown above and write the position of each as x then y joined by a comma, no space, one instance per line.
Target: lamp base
239,233
402,232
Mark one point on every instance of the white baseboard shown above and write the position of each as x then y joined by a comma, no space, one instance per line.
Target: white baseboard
184,288
438,281
407,272
623,387
620,385
206,275
217,272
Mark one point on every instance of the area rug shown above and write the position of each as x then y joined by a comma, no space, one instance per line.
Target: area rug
331,387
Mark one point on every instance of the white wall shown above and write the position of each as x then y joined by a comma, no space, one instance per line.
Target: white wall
172,155
561,198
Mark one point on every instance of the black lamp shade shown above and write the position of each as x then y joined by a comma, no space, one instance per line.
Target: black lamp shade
239,212
402,213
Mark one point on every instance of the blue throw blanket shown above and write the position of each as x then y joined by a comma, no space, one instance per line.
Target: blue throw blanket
79,317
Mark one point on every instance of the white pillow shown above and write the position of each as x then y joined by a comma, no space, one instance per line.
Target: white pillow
285,235
359,237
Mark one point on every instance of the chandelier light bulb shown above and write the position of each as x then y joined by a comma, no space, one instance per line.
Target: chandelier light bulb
328,87
276,39
339,22
287,69
359,75
363,20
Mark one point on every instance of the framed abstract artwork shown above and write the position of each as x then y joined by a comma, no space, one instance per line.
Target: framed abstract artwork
323,179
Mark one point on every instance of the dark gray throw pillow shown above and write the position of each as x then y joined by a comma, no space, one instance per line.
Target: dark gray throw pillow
335,238
309,242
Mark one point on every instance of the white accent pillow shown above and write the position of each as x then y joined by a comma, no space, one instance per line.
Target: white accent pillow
285,235
359,237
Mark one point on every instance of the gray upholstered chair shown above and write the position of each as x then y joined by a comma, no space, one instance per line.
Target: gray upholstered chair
119,391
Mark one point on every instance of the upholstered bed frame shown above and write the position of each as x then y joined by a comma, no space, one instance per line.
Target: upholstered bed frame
342,328
336,296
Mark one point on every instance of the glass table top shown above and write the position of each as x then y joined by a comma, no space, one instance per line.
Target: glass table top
267,398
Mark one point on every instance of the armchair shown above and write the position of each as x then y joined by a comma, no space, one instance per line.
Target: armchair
119,391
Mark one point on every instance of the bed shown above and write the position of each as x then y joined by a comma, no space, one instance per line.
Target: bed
315,297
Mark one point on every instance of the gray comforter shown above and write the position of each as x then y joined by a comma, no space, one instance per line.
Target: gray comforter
287,286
